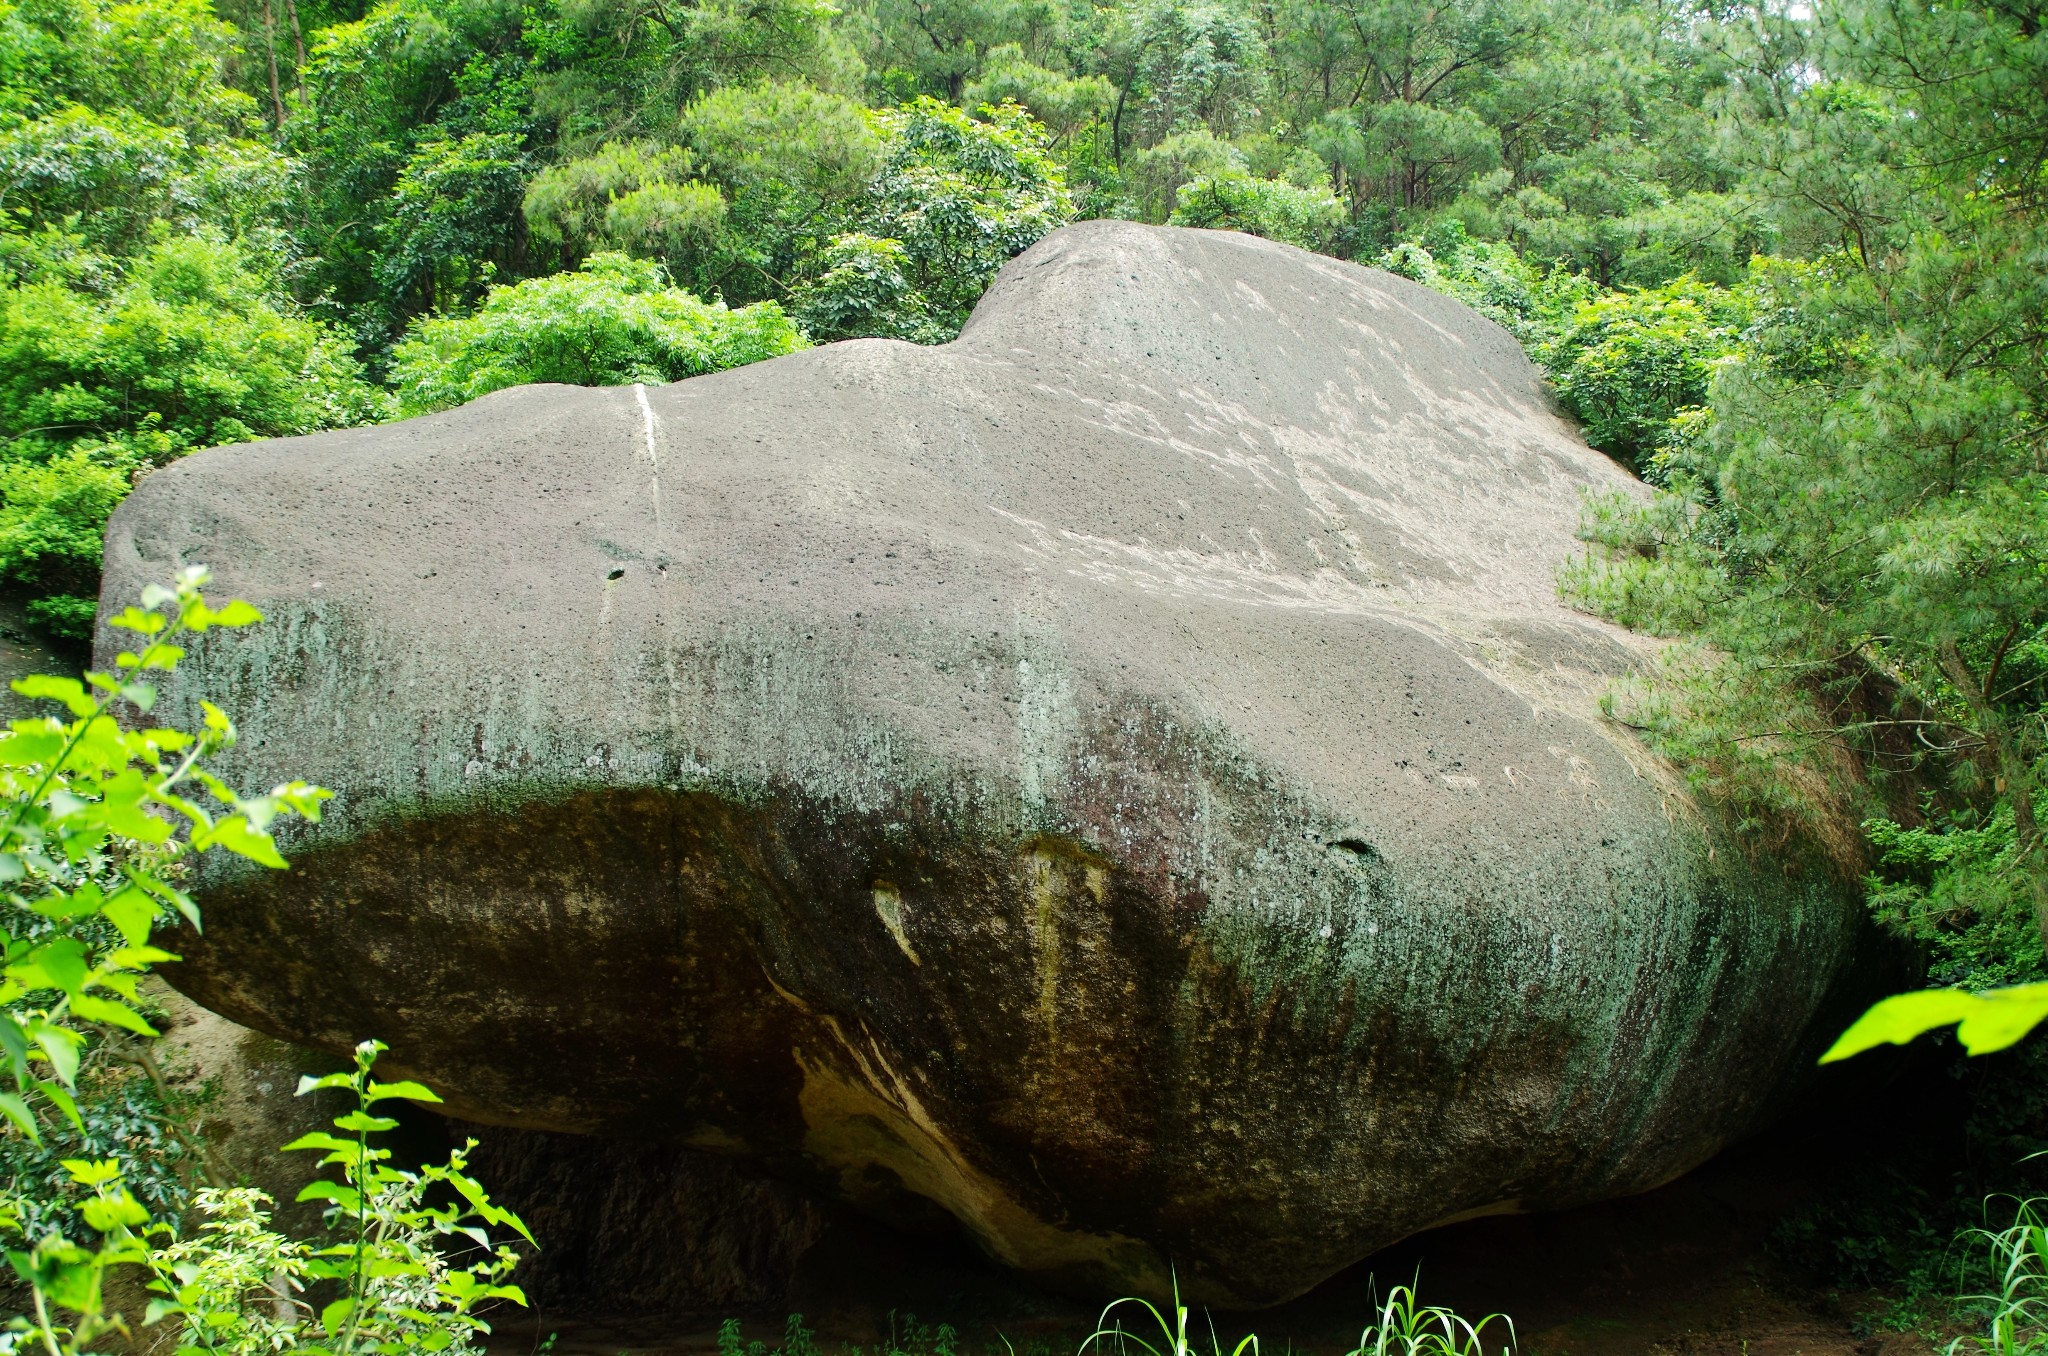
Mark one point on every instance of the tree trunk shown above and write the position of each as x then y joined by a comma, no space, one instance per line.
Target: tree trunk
291,9
270,51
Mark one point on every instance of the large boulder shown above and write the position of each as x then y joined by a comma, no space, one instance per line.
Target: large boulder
1123,778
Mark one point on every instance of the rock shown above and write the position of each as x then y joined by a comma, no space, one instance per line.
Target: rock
639,1227
1123,778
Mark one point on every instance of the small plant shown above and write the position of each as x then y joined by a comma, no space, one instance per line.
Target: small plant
404,1284
1402,1326
2016,1313
94,819
1407,1327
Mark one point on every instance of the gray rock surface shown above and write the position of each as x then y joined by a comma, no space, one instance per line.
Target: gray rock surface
1122,778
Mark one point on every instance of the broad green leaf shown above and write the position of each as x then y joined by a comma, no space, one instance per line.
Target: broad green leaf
61,1045
133,913
108,1013
139,957
237,613
62,1098
71,692
342,1195
364,1122
1984,1022
107,1213
238,836
335,1316
417,1092
92,1172
16,1111
57,964
135,619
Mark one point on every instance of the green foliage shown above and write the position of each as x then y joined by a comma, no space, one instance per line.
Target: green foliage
1401,1325
2016,1315
74,790
191,344
123,1115
632,197
96,816
1954,883
866,292
400,1287
963,196
1984,1022
614,321
97,819
188,350
1629,364
1494,280
1272,208
450,219
1857,521
792,163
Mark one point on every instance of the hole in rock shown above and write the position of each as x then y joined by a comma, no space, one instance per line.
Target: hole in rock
616,574
1358,848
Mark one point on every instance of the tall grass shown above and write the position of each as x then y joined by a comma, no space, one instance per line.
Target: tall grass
2018,1313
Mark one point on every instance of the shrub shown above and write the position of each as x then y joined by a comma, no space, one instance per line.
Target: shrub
94,819
615,320
1272,208
189,347
1628,363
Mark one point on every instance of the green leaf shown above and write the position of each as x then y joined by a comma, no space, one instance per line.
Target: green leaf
62,1046
335,1315
237,613
62,1098
238,836
344,1196
1985,1022
57,964
133,913
107,1013
16,1111
71,692
365,1123
417,1092
135,619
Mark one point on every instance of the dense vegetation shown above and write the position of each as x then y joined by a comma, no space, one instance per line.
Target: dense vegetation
1789,262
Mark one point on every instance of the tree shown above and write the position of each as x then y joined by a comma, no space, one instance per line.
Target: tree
191,349
1861,526
963,196
1272,208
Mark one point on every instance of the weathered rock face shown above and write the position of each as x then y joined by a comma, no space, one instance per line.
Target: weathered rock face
1123,777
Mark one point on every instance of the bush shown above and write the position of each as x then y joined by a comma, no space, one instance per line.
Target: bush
1628,363
189,348
964,196
1272,208
616,320
97,815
